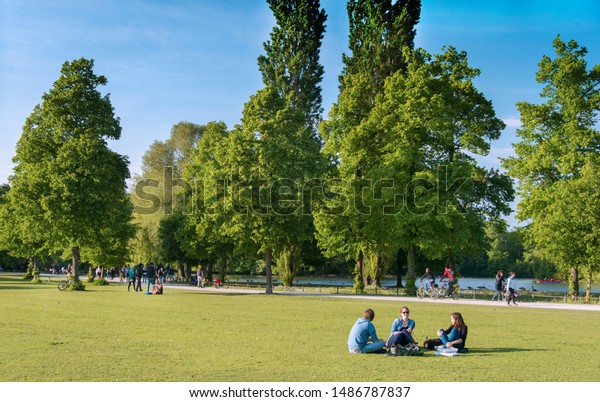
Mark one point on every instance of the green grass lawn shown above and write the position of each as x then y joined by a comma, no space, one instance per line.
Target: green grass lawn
109,334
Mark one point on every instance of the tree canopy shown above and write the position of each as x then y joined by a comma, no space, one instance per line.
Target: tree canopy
557,161
68,188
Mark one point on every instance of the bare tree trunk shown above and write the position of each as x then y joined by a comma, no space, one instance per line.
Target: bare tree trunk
380,269
360,279
209,269
410,272
451,261
574,282
269,271
75,263
399,269
188,271
588,287
366,277
223,270
292,265
181,270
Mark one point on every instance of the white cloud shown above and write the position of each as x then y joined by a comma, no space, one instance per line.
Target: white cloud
512,122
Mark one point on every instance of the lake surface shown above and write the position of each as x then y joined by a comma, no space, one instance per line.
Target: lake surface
464,283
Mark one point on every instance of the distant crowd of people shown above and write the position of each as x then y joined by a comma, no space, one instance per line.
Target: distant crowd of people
154,277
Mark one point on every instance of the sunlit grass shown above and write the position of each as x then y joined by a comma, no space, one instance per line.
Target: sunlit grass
109,334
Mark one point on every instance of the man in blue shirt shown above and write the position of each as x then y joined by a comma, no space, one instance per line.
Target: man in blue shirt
361,332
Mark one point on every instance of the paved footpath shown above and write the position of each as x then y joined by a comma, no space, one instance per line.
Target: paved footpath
404,299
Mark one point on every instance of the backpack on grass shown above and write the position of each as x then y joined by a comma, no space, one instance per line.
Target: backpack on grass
430,344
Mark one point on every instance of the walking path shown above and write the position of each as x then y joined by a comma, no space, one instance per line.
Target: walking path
405,299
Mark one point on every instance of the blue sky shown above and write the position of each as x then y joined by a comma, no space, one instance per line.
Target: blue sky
178,60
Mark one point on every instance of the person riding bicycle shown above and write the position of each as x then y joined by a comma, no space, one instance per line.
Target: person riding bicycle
449,273
429,277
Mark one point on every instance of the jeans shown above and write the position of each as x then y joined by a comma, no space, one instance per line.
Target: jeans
368,348
402,339
451,337
151,281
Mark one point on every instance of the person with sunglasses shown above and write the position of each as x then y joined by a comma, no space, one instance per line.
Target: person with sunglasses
402,328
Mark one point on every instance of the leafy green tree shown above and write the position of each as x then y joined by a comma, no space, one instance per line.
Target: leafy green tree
426,123
160,191
272,151
68,188
6,260
346,224
275,150
557,161
291,67
210,212
291,61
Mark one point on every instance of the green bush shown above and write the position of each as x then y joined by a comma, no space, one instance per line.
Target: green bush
359,285
76,285
411,286
100,282
90,276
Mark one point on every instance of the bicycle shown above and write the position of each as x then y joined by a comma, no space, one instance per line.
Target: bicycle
64,284
430,291
443,291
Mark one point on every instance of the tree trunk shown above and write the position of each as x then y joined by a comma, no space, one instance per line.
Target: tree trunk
292,266
209,269
181,270
188,271
366,277
380,269
359,284
360,267
574,282
399,269
268,271
410,272
223,270
588,287
75,263
451,261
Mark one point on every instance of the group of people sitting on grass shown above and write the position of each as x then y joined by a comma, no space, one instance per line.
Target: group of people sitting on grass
363,336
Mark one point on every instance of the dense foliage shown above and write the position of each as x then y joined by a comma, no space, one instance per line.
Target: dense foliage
67,192
388,183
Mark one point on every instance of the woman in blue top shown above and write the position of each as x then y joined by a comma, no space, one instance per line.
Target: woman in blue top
402,328
361,332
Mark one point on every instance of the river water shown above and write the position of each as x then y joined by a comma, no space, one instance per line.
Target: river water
464,283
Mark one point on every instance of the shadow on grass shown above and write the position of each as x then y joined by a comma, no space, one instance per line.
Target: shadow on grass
488,351
217,294
15,283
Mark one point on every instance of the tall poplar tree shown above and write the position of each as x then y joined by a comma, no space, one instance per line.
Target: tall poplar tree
557,162
277,147
380,30
68,187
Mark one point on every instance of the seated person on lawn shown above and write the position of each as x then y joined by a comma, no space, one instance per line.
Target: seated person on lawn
456,335
363,331
402,328
157,289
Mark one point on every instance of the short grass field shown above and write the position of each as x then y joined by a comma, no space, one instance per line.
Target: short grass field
109,334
